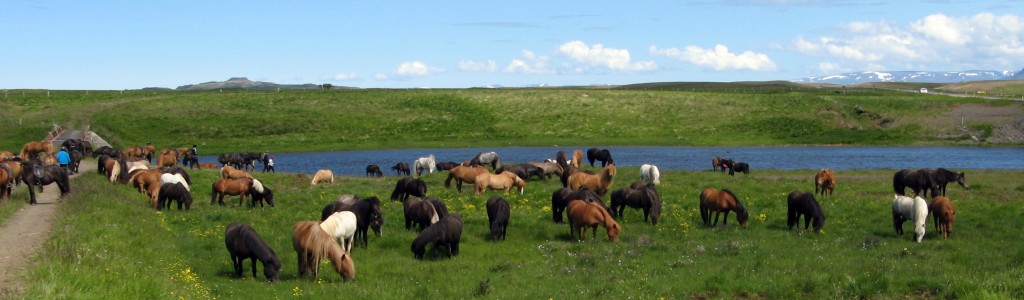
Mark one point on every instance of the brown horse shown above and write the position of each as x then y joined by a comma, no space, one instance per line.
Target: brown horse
50,160
136,151
716,162
16,170
322,176
943,215
719,201
502,181
312,244
145,179
166,160
6,182
150,150
208,165
825,179
229,172
234,187
462,174
599,183
6,155
577,157
583,215
31,150
153,192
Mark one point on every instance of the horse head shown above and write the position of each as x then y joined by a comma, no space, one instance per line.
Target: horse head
961,180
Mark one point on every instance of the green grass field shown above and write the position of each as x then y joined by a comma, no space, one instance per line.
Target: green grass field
109,244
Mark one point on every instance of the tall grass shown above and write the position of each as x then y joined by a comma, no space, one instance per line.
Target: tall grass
108,243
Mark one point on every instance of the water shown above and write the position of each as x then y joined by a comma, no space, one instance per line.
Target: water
675,158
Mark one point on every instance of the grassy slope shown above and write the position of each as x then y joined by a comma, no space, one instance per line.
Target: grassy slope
373,119
109,244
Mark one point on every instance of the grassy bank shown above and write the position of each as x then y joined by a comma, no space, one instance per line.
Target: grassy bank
375,119
108,243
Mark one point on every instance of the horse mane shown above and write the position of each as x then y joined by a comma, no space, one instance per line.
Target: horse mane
739,204
258,186
311,238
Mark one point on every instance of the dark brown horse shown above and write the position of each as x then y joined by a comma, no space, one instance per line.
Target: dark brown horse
368,216
919,181
244,243
420,212
401,168
602,155
374,170
446,232
176,192
644,196
408,186
942,176
801,203
498,214
312,244
35,174
721,201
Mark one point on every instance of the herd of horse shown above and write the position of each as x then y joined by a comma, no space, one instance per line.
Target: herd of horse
347,221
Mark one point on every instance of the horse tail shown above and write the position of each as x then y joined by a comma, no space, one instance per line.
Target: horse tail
448,182
213,193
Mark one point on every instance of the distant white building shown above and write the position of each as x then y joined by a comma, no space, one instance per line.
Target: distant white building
924,90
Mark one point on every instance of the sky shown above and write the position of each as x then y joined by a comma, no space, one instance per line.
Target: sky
114,45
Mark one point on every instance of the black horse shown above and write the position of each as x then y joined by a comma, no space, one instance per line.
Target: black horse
498,213
243,243
561,197
638,195
108,151
408,186
447,165
419,211
801,203
374,170
447,232
231,159
401,168
37,174
76,159
919,181
736,166
602,155
368,215
942,176
176,192
249,160
177,170
524,171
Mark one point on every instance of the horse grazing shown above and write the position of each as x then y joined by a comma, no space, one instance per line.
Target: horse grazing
445,166
35,174
419,212
408,186
919,181
463,174
738,167
524,171
368,215
577,157
602,155
599,183
825,179
645,197
721,201
801,203
583,215
498,213
322,176
422,163
311,244
943,215
374,170
244,243
243,188
174,191
106,150
342,226
401,168
942,176
166,160
549,167
486,158
503,181
143,179
560,199
915,209
175,178
650,173
229,172
446,232
31,150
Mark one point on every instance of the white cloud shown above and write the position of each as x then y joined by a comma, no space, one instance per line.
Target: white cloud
476,66
380,77
599,56
940,41
529,63
346,76
719,58
416,69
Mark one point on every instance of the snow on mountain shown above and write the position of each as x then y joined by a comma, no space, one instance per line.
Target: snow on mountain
911,76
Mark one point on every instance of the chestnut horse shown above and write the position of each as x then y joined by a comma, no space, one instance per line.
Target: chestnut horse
6,182
6,155
166,160
943,215
599,183
322,176
229,172
16,170
311,244
577,157
462,174
584,214
241,187
825,179
31,150
502,181
721,201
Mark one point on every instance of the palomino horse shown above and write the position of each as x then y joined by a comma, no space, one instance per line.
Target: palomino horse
322,176
602,155
801,203
31,150
914,209
446,232
312,244
229,172
244,243
825,179
502,181
650,173
463,174
721,201
583,215
599,183
483,158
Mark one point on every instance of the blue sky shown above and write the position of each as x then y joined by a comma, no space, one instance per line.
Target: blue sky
456,44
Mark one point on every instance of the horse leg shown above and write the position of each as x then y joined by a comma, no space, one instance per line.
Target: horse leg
897,223
807,221
236,262
253,259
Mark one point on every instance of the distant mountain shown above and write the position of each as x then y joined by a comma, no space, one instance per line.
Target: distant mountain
246,84
914,76
1019,76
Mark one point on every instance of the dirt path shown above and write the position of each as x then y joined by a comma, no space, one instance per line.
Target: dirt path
25,232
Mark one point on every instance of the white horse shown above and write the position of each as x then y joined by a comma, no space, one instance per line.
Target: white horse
342,226
175,178
649,173
424,163
905,208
